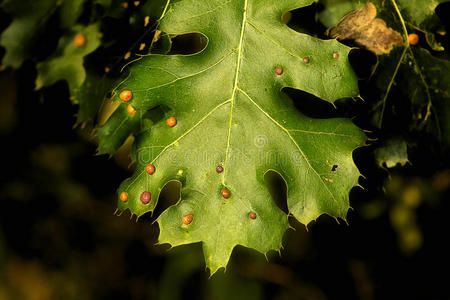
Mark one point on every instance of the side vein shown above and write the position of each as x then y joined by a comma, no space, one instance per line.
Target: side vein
179,138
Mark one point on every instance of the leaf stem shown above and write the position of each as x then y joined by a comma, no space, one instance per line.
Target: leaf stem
405,31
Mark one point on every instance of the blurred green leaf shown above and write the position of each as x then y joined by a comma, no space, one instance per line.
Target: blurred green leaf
391,153
28,20
70,11
67,61
335,10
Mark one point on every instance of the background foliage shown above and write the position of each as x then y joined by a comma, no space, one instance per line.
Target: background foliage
59,237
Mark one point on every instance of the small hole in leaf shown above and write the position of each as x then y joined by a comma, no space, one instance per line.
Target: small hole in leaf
310,105
304,20
277,189
153,116
188,44
169,196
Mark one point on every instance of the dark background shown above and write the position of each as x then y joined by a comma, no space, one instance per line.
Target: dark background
59,238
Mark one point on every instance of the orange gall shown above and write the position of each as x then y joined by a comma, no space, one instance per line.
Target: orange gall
126,96
150,169
187,219
130,109
79,40
413,39
171,122
123,196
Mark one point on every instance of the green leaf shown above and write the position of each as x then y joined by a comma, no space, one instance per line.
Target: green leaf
70,11
29,18
230,111
112,8
67,61
119,126
392,152
91,95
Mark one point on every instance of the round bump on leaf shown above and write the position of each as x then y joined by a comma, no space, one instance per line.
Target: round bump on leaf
278,70
126,96
130,109
219,169
123,196
306,60
150,169
252,215
146,197
413,39
225,193
79,40
171,121
335,55
187,219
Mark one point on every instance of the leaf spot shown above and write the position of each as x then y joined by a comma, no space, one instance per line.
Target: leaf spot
150,169
225,193
79,40
124,196
171,121
413,39
146,197
126,96
130,109
187,219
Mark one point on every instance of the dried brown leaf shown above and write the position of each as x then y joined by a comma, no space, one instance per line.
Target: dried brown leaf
366,30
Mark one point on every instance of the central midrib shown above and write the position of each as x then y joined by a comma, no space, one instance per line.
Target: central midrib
233,97
235,87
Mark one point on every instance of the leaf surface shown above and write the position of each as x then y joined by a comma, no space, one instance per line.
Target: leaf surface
67,61
231,112
392,152
29,18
